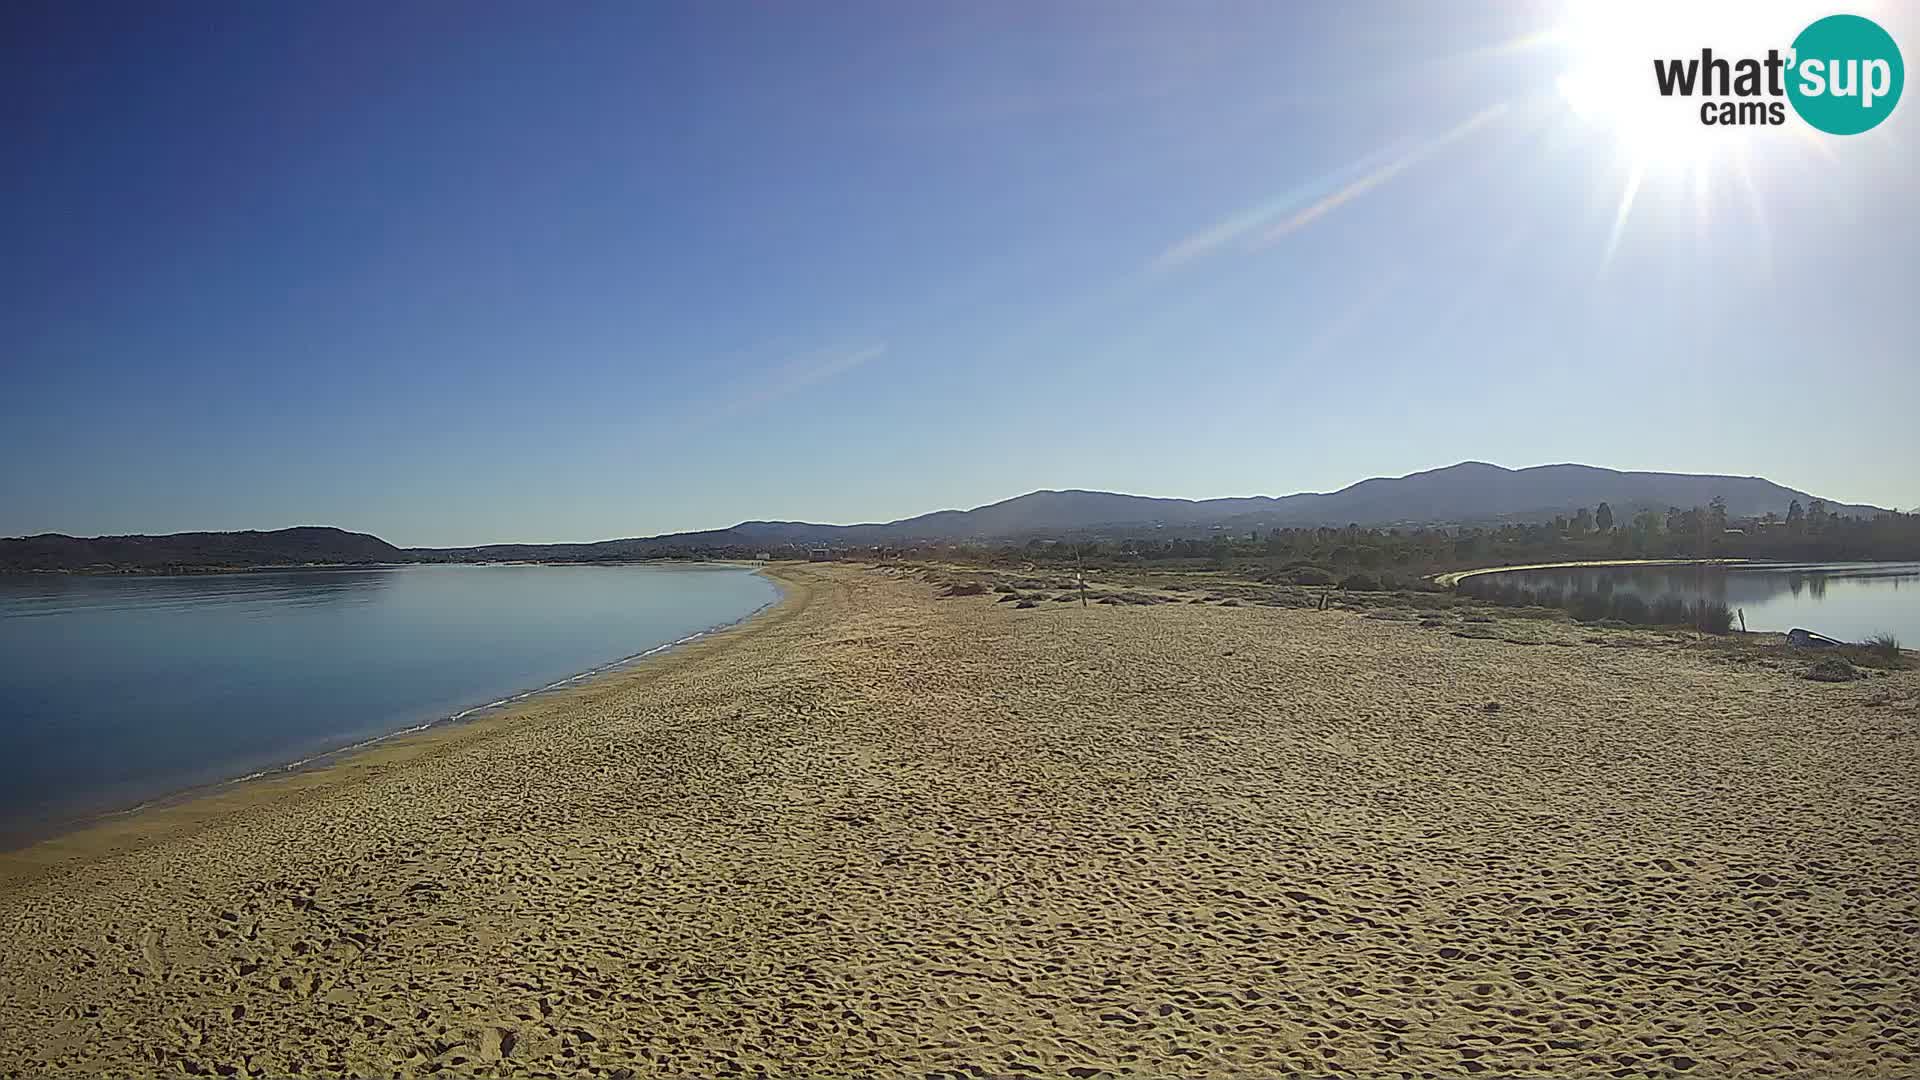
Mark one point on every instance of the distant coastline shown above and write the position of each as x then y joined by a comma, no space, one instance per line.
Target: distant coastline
262,568
1457,499
182,571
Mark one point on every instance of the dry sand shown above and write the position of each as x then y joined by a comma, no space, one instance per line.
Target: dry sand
876,833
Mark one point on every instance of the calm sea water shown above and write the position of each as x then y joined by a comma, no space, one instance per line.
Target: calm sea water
1849,601
115,690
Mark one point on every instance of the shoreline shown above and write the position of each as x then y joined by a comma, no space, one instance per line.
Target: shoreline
17,847
879,831
1454,577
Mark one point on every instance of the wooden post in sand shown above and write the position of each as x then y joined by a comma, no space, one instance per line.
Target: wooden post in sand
1080,574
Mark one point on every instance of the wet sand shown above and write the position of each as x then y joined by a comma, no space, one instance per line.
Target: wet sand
879,833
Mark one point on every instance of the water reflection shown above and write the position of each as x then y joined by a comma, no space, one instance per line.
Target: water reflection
114,688
26,596
1846,600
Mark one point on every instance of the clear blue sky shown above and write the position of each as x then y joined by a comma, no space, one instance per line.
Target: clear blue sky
468,272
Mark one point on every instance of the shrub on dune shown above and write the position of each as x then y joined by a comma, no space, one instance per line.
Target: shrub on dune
1630,608
1884,645
1670,611
1588,607
1713,617
1832,669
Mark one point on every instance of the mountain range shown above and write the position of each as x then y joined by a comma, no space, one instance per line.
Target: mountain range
1468,493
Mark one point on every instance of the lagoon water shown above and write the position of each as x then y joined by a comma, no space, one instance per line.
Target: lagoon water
119,689
1849,601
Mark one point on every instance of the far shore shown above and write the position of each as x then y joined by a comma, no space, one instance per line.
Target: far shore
1455,577
890,828
189,571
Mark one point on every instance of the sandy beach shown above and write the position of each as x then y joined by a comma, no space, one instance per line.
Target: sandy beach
879,832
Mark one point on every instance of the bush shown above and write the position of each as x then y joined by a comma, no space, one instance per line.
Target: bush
1360,583
1629,608
1312,575
1713,617
1588,607
1885,646
1832,669
1670,611
967,588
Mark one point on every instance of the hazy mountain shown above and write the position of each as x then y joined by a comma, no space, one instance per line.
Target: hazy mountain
198,550
1475,490
1471,492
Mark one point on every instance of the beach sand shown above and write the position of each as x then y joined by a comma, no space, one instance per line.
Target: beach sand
879,833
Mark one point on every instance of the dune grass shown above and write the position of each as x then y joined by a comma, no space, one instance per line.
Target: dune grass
1884,645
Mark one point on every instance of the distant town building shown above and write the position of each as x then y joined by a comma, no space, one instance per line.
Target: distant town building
819,555
763,556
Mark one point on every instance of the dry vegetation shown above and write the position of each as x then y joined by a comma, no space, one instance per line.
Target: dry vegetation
1427,607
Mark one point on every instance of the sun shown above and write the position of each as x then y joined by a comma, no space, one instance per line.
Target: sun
1610,93
1609,84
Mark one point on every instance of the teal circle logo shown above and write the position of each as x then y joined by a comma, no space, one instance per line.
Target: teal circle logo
1847,74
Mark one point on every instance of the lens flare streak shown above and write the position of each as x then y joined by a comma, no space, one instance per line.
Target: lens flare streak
1381,175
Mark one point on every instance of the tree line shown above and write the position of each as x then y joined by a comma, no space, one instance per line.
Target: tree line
1802,533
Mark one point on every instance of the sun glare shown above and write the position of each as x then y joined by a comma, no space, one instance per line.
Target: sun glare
1610,90
1609,83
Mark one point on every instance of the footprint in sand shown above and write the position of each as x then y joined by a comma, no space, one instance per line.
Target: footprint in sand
153,946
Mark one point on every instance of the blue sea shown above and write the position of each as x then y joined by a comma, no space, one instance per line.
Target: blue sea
115,690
